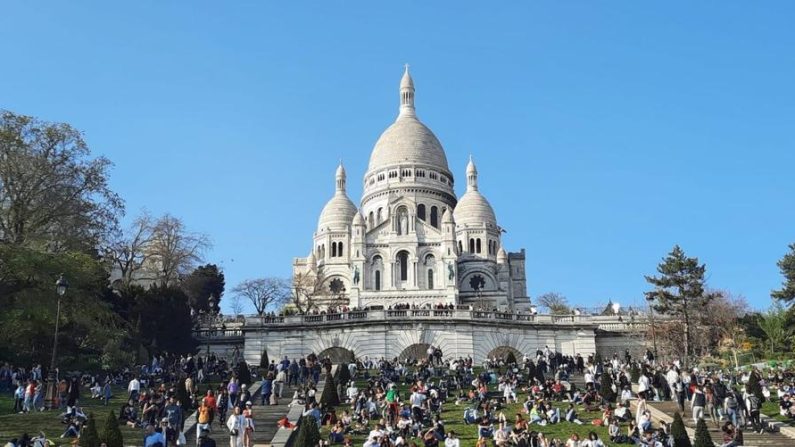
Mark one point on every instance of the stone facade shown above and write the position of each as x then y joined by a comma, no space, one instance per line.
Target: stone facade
412,241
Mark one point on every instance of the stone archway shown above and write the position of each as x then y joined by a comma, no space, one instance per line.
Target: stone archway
415,351
502,353
338,355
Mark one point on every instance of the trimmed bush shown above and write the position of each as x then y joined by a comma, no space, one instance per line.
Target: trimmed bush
243,374
607,388
703,439
510,359
329,398
634,373
308,433
343,374
679,433
89,437
182,395
111,435
264,361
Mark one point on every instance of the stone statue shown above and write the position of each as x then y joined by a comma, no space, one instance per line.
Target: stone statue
356,274
403,223
450,271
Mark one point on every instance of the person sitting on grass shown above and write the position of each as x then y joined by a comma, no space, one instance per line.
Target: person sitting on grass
502,435
72,430
571,415
537,416
574,441
485,429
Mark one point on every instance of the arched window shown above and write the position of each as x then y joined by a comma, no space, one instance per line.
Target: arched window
403,265
379,216
434,217
377,280
372,220
339,249
478,245
430,278
471,245
460,247
421,212
333,249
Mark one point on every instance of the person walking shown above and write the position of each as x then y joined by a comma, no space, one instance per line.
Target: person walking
236,426
697,404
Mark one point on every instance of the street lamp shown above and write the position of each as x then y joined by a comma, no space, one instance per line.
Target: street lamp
50,398
211,301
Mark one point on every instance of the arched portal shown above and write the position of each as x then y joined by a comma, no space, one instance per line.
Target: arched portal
415,351
504,352
338,355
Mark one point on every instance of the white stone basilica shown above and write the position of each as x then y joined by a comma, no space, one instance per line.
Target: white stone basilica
411,241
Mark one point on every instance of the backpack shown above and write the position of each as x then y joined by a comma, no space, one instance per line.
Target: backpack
204,414
731,402
753,403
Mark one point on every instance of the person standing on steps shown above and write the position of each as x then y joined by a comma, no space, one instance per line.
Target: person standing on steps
236,426
697,404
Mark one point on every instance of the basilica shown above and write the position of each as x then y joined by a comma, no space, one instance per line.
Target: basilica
412,241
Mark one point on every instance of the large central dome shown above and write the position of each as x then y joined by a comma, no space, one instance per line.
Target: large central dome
407,140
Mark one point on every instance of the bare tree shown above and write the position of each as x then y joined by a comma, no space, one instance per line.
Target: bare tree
173,250
127,252
555,302
236,303
264,293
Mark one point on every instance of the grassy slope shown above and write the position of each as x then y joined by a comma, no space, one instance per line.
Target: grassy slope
13,425
452,416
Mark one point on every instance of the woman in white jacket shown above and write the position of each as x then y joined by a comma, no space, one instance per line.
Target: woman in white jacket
236,426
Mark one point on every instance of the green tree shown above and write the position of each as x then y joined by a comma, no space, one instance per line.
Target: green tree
308,433
787,267
679,433
264,362
774,323
202,283
243,373
53,195
329,398
111,435
703,438
606,388
89,437
166,322
679,290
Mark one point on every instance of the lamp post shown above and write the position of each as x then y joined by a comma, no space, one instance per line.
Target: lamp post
50,398
651,321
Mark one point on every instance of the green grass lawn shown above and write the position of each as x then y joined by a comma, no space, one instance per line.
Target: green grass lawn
453,418
770,408
14,425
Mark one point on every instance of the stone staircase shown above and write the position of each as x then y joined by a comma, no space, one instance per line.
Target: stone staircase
265,417
751,438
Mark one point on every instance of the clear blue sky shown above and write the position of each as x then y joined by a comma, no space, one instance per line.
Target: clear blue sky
604,132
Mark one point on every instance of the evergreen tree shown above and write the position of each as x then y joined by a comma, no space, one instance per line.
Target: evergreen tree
679,433
308,433
264,361
111,435
89,437
182,395
703,438
329,398
607,388
343,374
787,267
510,359
634,373
243,374
679,291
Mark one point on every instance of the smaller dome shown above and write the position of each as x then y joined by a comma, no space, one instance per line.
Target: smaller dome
339,211
406,81
502,257
474,209
358,220
447,217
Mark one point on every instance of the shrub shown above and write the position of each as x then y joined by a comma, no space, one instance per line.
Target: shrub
634,373
607,388
510,359
111,435
343,374
329,398
89,437
243,374
308,433
182,395
703,438
679,433
263,361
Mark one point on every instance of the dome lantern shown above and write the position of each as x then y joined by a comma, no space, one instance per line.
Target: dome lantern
406,93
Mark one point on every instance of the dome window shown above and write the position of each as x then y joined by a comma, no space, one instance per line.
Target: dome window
435,217
421,212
